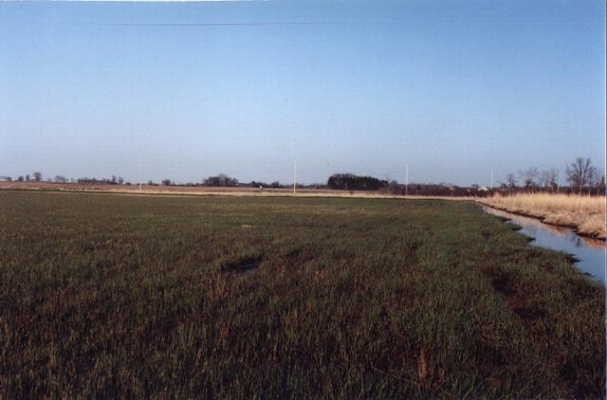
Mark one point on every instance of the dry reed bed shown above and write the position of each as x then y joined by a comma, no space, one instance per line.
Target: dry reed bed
585,214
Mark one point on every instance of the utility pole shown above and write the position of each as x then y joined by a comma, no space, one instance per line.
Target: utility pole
140,171
294,175
407,181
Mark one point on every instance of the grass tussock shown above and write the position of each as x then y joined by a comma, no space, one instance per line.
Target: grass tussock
586,214
106,296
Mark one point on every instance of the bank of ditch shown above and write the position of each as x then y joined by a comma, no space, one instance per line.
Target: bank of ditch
585,214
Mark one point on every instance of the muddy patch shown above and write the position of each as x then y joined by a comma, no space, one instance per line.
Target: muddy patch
244,264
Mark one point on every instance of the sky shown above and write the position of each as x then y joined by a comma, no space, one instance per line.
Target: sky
186,90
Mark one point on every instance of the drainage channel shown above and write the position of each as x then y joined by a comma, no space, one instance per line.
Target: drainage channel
589,253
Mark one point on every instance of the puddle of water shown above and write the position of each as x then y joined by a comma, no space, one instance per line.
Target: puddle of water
589,253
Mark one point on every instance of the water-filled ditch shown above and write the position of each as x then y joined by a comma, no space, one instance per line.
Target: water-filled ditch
589,253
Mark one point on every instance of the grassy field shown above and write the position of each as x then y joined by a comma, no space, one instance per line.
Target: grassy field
105,295
584,213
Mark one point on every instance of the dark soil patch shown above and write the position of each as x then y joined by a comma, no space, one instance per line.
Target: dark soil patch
242,265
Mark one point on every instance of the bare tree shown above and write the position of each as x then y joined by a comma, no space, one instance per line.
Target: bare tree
580,173
543,179
37,176
548,179
510,183
529,177
597,182
600,184
553,178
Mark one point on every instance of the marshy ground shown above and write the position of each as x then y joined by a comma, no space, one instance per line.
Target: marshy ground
224,297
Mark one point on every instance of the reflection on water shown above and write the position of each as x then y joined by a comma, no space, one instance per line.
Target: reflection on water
590,252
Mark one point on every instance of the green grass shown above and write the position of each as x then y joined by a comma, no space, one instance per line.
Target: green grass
220,297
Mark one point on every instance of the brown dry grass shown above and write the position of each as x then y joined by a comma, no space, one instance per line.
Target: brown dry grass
208,191
584,213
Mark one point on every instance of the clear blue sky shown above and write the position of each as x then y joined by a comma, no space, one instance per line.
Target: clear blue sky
187,90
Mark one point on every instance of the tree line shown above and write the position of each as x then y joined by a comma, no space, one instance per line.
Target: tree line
34,177
349,181
581,175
